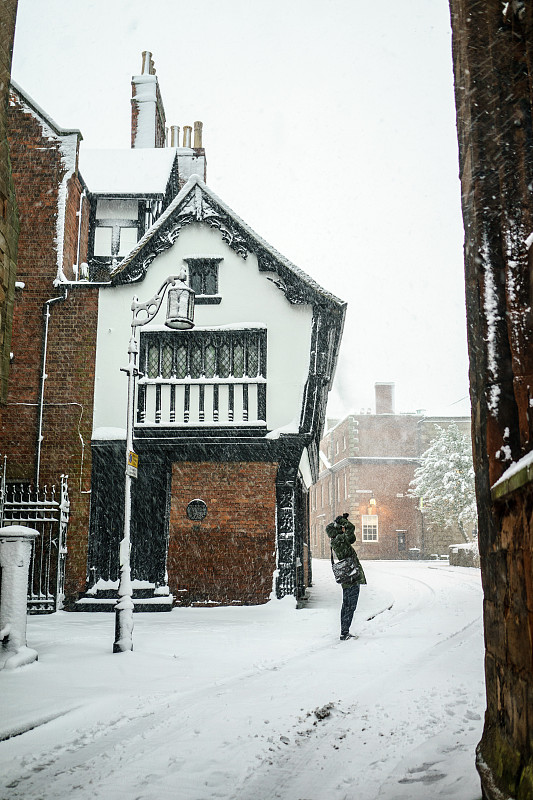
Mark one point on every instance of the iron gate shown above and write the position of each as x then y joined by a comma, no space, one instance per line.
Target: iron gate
47,511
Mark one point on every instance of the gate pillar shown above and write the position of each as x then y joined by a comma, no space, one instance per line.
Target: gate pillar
15,555
286,531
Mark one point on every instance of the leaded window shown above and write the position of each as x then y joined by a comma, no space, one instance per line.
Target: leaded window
195,355
203,278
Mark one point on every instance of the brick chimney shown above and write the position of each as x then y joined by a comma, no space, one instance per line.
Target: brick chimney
384,398
147,112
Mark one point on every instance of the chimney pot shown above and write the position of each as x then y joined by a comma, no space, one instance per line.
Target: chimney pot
187,132
146,62
384,398
198,126
174,135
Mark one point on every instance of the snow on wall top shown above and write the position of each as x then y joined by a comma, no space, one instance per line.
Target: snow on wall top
44,116
127,172
514,468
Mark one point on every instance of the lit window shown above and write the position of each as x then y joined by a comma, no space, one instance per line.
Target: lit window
369,527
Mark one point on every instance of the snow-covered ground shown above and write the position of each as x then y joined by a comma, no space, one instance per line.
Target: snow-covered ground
258,702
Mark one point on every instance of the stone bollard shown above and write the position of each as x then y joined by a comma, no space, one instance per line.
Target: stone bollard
15,555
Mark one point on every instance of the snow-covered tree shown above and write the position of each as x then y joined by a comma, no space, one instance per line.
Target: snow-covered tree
444,481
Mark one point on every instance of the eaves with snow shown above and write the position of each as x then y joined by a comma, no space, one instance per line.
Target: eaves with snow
197,203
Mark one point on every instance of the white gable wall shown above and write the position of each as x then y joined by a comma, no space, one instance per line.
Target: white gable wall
248,298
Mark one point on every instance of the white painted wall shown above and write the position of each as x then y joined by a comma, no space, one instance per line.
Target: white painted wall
247,297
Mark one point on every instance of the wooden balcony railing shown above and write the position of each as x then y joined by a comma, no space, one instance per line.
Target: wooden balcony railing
205,402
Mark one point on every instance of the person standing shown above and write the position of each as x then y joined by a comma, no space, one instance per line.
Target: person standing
341,533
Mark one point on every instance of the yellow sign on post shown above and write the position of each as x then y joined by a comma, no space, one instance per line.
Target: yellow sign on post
133,463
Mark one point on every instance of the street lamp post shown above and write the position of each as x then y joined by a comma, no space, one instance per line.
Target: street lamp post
180,316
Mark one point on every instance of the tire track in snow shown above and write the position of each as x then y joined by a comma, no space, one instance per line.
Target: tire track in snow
101,756
335,760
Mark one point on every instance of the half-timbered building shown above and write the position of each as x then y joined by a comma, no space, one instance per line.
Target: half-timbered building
227,416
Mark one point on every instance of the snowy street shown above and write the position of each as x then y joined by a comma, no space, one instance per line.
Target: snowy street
250,703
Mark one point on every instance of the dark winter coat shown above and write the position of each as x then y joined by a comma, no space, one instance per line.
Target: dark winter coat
342,535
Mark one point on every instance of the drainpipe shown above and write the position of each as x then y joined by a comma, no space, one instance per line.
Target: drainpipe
46,314
79,215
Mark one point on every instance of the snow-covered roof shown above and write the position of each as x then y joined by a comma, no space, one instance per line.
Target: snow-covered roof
46,117
126,172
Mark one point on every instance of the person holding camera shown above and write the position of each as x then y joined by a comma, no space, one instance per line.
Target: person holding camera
342,535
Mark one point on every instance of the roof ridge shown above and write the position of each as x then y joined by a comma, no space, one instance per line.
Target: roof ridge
38,110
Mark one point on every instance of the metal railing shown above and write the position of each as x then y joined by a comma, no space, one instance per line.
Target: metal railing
47,510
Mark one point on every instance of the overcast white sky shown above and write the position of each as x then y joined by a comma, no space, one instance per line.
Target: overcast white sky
329,126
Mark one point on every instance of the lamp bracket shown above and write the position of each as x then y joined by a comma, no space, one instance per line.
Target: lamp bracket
145,312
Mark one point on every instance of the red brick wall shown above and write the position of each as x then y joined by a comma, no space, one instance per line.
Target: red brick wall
8,210
388,435
67,418
68,415
230,555
70,248
394,513
134,119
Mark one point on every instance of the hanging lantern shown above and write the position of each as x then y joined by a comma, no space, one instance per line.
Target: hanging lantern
180,309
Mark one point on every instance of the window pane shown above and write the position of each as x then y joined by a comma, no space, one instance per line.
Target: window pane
102,241
117,209
210,361
211,280
196,361
238,360
153,361
253,357
166,361
195,279
203,277
369,527
224,362
128,240
181,362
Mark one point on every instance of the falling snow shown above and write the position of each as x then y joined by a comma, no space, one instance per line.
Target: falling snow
254,702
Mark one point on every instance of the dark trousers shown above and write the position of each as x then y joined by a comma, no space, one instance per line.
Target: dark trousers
350,596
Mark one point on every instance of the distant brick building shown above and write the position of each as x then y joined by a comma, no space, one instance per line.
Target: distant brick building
367,463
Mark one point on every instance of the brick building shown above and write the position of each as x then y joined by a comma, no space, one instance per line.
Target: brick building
367,463
8,207
226,416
